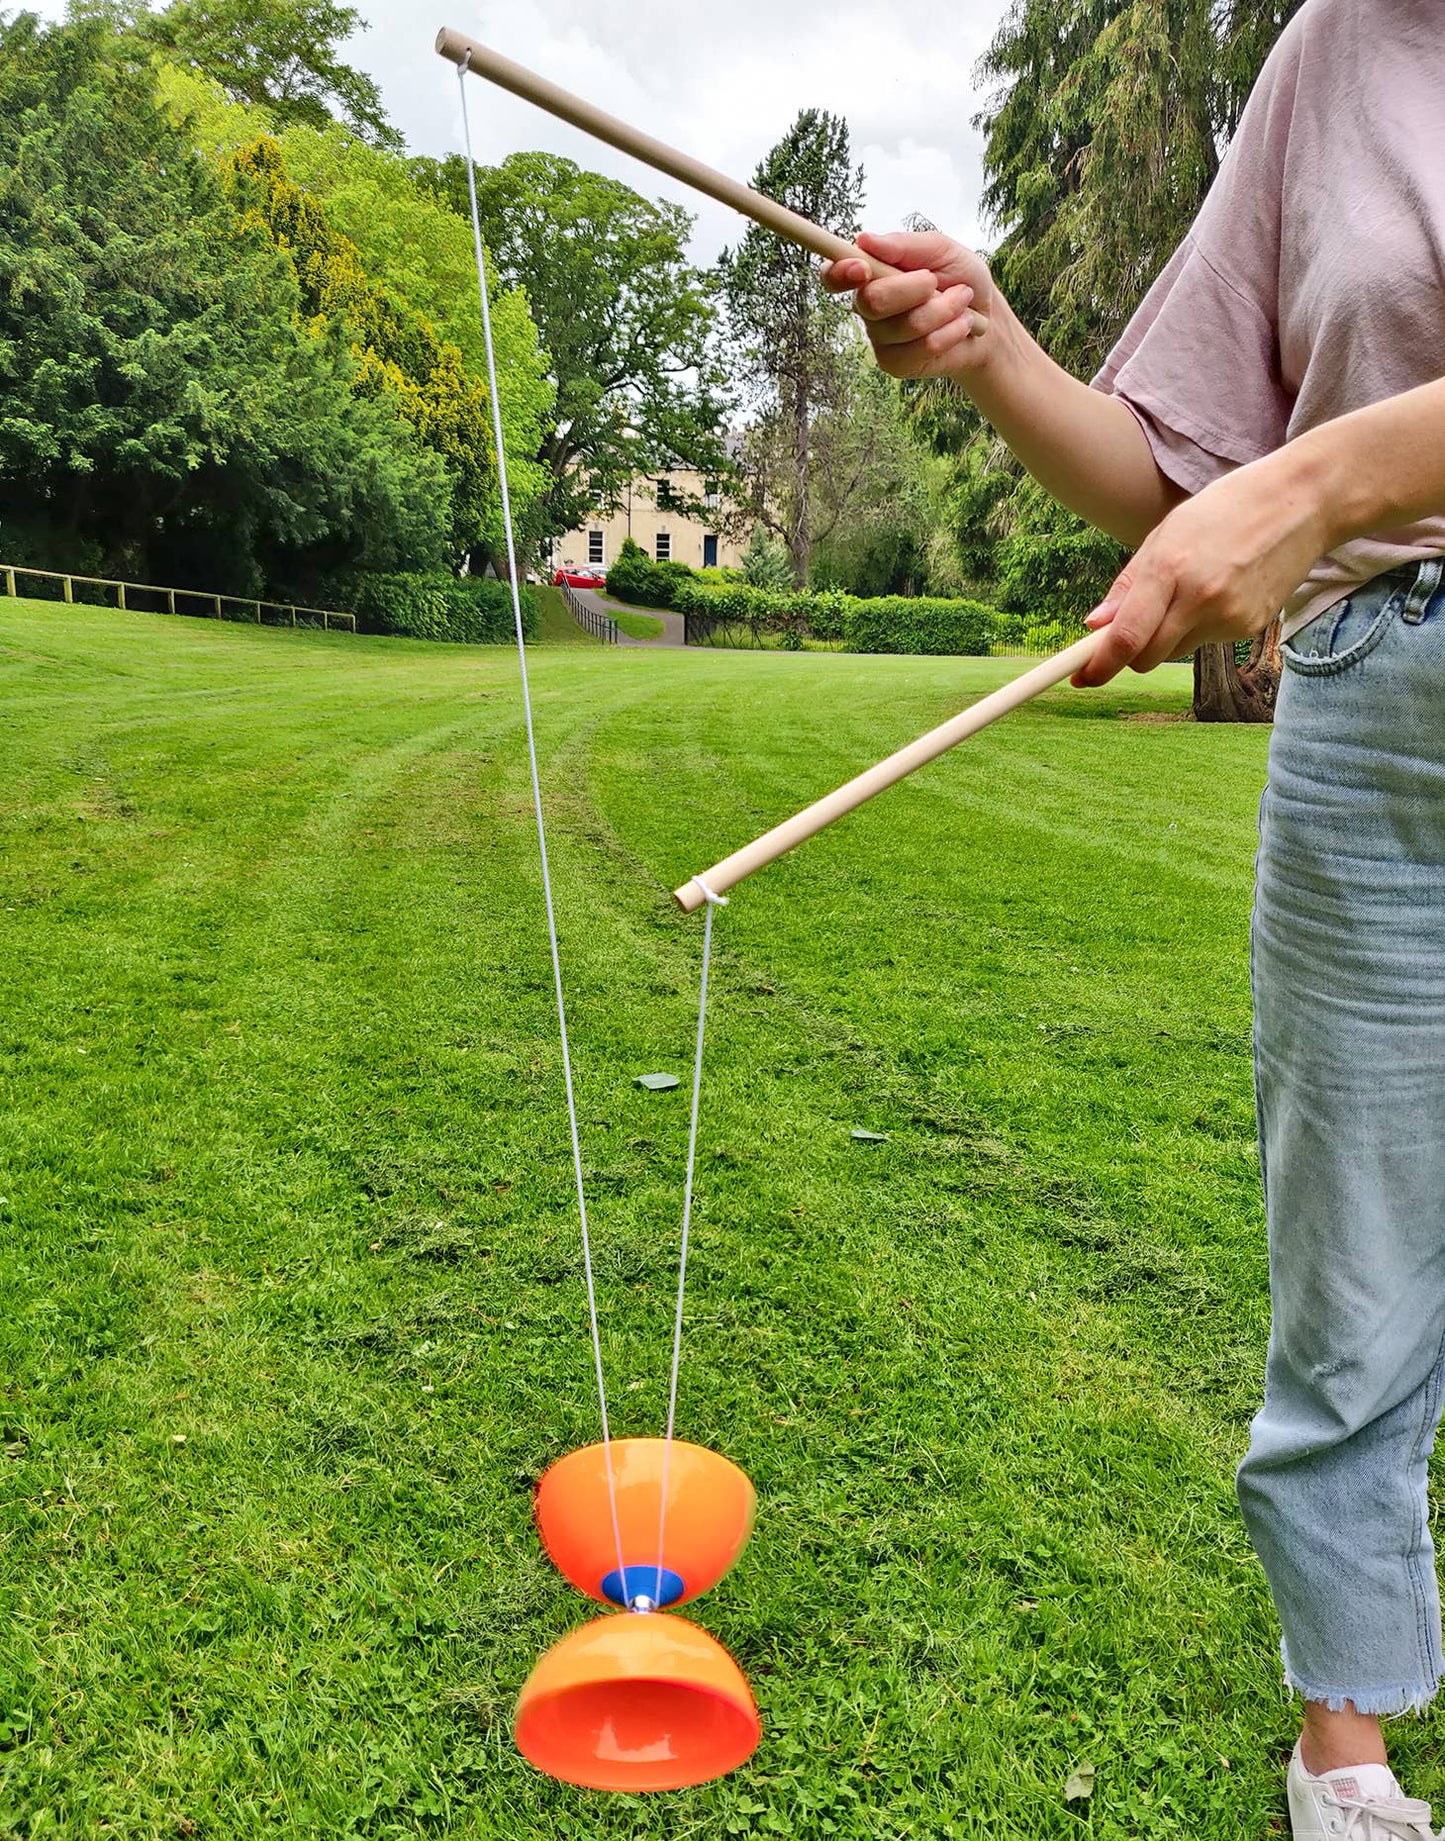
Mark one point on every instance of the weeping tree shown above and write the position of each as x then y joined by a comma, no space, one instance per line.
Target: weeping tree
790,339
1105,131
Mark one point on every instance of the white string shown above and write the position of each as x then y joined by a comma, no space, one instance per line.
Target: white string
541,829
713,901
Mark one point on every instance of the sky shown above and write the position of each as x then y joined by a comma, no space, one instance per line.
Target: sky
720,82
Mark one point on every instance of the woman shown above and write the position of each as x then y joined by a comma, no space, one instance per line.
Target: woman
1270,433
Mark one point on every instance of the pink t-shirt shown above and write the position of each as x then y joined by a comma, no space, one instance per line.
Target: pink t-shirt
1313,280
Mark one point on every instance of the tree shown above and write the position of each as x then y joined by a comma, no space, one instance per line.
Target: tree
790,336
278,53
625,318
397,351
164,410
873,488
420,254
766,563
1102,139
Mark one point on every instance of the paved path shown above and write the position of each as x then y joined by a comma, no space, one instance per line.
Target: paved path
672,623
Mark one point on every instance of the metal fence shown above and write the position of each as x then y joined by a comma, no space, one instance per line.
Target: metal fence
736,631
599,625
147,598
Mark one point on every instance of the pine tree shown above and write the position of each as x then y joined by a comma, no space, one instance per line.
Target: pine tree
790,336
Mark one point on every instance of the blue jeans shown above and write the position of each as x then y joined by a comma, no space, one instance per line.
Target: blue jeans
1349,992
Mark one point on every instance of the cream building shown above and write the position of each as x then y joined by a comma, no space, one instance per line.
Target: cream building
648,515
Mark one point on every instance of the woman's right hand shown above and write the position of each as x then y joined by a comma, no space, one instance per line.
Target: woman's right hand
929,322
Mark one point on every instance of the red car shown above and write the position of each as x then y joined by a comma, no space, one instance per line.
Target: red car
580,578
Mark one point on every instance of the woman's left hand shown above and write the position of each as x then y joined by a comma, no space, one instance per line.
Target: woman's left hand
1218,567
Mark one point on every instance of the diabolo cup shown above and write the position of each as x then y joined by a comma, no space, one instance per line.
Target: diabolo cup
710,1511
637,1702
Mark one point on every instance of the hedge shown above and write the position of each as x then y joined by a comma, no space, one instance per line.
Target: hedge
643,583
819,613
919,623
889,623
470,610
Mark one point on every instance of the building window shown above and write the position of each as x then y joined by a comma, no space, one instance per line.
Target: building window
664,546
666,497
710,494
594,546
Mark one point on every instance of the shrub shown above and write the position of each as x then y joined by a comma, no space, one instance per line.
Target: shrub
904,623
766,563
890,623
470,610
819,615
723,600
643,583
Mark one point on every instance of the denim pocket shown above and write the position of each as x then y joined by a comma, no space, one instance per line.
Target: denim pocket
1342,635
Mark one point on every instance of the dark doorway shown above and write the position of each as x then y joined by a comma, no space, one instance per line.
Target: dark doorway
709,552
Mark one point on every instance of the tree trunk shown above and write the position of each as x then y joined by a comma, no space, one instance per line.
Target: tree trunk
1264,665
799,534
1225,692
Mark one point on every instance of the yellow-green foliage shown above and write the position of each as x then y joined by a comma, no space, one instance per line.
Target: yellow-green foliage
386,257
396,348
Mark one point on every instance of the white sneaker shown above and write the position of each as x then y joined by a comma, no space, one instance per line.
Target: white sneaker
1363,1803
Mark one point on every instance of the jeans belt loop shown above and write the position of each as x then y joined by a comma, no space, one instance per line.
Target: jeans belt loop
1427,583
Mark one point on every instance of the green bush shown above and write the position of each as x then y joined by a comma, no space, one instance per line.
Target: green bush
907,623
890,623
766,562
819,615
468,610
642,583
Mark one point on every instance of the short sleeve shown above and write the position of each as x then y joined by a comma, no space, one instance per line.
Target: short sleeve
1198,366
1199,362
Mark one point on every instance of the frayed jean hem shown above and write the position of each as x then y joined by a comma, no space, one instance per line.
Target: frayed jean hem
1378,1703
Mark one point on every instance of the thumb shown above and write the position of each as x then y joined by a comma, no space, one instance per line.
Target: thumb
1109,606
915,249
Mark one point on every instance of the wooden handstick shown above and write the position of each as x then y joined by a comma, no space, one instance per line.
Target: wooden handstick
467,53
772,844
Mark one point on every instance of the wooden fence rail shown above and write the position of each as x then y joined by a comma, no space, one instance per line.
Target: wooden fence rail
212,606
600,626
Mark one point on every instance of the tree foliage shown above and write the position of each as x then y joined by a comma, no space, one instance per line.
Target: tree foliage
874,489
165,410
418,256
626,319
280,54
790,338
397,351
1104,132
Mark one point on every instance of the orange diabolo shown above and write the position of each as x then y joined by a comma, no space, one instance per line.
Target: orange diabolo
710,1509
646,1700
637,1703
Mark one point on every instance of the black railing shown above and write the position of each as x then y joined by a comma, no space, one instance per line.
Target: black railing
733,630
592,620
146,598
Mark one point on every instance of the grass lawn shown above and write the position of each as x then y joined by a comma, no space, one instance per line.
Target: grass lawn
636,625
555,625
293,1312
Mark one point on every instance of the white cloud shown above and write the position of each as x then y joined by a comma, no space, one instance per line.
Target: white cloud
723,83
